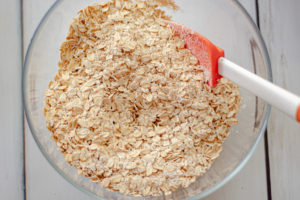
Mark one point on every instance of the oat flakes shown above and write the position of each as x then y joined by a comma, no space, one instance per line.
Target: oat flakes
129,107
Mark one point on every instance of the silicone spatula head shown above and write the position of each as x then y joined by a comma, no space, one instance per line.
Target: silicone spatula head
204,50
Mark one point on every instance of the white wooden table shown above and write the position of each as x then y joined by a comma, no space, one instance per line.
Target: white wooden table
272,172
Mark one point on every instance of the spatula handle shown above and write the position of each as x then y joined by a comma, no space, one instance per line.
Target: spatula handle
282,99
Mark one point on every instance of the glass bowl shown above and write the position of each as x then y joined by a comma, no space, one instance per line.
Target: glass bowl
225,23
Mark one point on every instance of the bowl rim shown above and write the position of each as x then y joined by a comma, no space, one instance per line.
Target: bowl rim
198,196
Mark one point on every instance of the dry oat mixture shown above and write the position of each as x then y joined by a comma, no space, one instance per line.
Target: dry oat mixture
129,107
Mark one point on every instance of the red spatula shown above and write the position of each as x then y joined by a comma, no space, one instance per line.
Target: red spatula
212,58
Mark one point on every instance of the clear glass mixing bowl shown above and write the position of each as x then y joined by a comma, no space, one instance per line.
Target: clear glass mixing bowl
225,23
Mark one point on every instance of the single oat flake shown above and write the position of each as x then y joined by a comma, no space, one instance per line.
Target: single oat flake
129,107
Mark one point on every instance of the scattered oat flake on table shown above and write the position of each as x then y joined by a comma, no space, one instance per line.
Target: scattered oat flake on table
129,106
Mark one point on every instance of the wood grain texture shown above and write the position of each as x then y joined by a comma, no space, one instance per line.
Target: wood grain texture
243,186
11,111
280,27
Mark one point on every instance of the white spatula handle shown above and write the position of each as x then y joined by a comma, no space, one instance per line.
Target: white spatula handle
282,99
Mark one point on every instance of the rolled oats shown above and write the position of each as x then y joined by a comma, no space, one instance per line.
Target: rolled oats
129,107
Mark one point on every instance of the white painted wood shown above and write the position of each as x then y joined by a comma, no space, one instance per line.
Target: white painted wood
280,27
282,99
11,111
44,183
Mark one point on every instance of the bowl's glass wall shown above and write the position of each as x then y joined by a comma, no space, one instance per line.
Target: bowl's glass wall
223,22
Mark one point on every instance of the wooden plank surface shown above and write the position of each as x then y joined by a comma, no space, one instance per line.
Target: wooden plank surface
280,26
244,185
11,111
